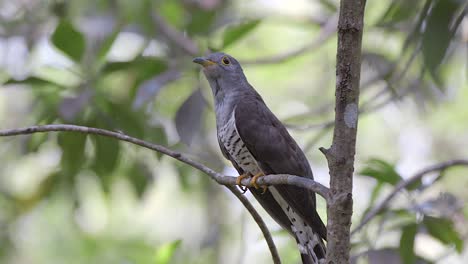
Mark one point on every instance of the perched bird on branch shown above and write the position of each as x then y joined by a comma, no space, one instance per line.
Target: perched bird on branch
258,144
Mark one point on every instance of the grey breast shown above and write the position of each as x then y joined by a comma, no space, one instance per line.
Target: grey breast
236,148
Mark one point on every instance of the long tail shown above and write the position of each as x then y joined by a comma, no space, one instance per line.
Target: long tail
311,246
310,243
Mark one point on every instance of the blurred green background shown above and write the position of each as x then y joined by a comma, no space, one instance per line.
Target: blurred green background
126,66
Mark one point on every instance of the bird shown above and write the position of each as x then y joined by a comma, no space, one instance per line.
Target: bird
255,141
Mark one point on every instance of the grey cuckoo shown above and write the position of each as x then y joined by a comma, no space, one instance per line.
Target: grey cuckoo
258,144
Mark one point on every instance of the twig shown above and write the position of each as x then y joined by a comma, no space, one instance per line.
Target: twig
416,30
405,183
228,181
219,178
278,179
366,106
178,38
258,219
327,31
176,155
242,240
340,156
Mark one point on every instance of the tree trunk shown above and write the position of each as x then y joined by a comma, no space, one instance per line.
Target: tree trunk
340,155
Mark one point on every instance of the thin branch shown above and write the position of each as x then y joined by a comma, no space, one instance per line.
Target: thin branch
176,37
405,183
219,178
327,31
242,240
416,30
366,106
176,155
258,219
228,181
279,179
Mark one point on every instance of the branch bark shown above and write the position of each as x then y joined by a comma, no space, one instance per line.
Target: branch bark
340,155
405,183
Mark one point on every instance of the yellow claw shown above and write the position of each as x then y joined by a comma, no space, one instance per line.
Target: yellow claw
238,182
255,184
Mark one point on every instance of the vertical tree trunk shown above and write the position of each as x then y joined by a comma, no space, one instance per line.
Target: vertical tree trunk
340,155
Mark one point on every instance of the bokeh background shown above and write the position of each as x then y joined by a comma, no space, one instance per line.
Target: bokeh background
126,66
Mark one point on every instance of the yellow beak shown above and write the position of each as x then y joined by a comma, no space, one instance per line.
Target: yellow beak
203,62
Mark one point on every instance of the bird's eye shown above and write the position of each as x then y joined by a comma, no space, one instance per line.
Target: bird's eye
225,61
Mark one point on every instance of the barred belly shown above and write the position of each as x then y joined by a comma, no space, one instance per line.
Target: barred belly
236,148
307,239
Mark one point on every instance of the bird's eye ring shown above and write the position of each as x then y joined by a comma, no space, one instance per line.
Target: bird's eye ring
225,60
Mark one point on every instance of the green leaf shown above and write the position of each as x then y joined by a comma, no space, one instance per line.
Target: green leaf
130,122
382,171
399,11
139,175
187,176
173,12
69,40
443,230
143,67
437,34
136,13
106,45
165,253
200,22
236,32
51,184
36,140
157,135
375,192
73,146
407,243
107,152
31,80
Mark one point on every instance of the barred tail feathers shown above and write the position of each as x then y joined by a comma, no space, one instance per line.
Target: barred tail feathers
311,245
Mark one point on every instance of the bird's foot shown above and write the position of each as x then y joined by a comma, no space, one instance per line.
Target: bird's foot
238,182
255,184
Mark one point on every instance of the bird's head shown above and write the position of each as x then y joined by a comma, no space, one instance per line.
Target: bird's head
220,66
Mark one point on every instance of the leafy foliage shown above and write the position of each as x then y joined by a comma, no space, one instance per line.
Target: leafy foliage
381,171
73,152
438,33
69,40
234,33
443,230
165,253
408,235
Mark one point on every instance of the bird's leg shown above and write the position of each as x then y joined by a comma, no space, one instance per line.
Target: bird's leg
254,181
238,182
